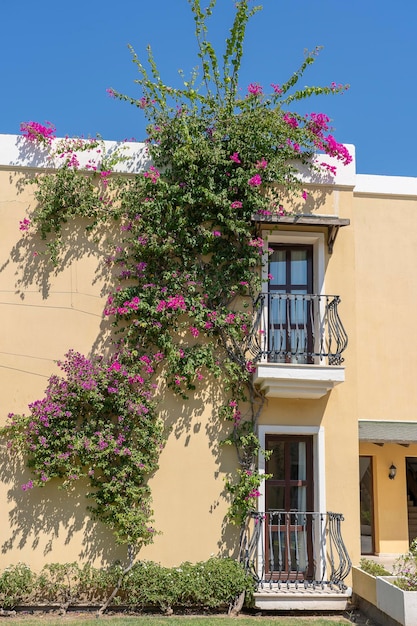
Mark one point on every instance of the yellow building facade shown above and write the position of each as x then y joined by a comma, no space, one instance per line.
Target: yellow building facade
334,359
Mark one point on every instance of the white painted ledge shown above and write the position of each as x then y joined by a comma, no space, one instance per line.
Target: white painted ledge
281,380
16,151
386,185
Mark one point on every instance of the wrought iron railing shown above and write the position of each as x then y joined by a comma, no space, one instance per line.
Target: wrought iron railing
298,328
295,548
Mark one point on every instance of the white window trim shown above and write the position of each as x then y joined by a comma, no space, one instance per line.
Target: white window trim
319,476
319,461
289,237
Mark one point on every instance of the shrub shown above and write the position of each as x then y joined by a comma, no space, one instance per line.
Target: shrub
406,569
16,585
212,584
372,568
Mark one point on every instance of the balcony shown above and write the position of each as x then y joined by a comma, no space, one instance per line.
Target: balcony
297,559
298,341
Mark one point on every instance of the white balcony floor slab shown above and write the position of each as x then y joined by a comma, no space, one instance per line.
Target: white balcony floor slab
283,380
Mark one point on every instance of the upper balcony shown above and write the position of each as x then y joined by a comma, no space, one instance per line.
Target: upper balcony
298,342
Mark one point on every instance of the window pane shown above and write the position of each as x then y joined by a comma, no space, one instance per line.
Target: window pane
278,551
298,267
278,309
276,464
277,267
288,551
298,551
298,498
299,309
276,497
298,460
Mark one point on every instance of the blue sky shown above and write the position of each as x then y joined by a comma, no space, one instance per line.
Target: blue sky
56,61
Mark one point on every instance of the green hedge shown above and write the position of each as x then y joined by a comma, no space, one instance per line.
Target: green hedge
212,584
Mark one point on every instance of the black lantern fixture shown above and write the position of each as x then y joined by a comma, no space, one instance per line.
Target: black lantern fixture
392,472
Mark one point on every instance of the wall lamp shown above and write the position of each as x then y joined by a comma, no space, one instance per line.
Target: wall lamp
392,472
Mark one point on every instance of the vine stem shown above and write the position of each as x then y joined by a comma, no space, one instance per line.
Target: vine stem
126,570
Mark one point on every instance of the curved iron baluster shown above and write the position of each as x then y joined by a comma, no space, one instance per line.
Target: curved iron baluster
328,548
288,327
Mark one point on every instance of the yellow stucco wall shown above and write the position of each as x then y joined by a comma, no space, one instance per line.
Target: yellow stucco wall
45,312
386,298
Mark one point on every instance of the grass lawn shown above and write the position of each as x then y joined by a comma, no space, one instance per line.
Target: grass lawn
76,619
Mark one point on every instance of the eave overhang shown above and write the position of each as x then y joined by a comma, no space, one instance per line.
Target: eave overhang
331,222
381,432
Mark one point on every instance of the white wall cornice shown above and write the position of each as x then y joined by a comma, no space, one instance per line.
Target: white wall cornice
369,184
18,152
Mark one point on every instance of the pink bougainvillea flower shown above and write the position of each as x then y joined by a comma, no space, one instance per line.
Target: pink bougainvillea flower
104,175
153,174
330,168
255,89
290,120
294,145
24,224
143,102
194,331
277,88
318,123
250,367
336,149
235,157
256,243
236,204
110,92
262,164
255,493
216,233
39,133
255,181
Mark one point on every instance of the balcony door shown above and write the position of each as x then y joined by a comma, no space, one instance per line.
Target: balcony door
290,337
289,504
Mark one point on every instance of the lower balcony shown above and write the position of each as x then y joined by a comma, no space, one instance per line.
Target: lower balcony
297,559
298,341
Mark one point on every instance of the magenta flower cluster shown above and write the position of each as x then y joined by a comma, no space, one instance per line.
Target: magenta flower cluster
38,133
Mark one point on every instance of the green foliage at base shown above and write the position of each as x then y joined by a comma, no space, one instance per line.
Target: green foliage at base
16,585
372,568
405,568
211,584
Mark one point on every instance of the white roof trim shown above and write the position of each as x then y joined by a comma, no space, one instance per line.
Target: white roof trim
386,185
18,152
